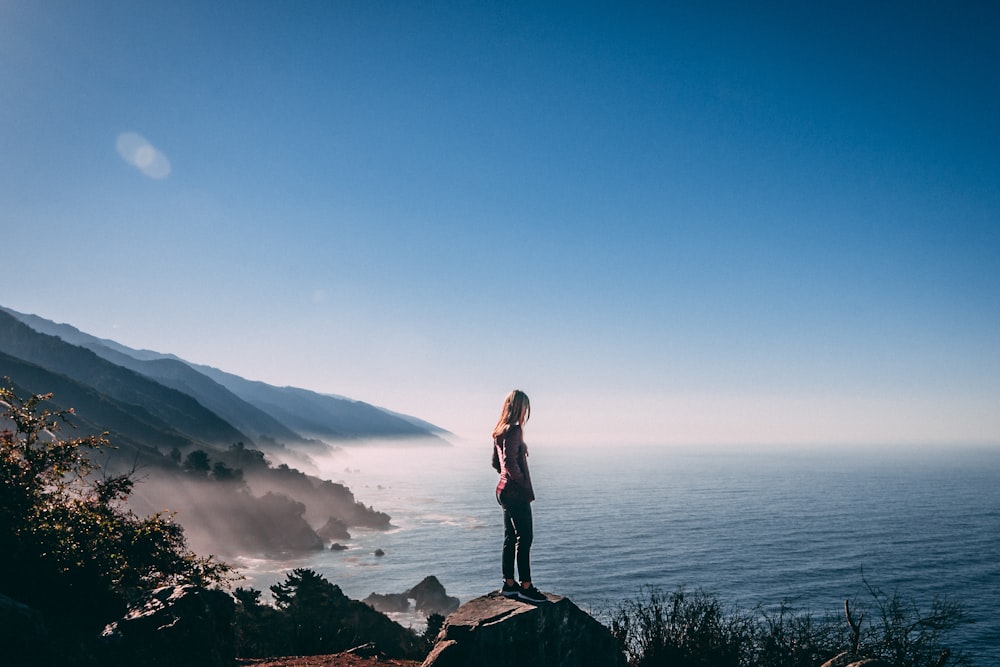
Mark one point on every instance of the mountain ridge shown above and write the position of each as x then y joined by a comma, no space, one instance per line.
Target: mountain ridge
255,412
218,460
175,409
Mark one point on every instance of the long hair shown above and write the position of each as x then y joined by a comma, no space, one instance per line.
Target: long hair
516,410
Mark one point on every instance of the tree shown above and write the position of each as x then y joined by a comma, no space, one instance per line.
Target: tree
223,473
434,624
314,606
198,462
312,616
75,553
260,629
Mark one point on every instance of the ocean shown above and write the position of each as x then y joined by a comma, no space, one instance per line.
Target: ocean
752,526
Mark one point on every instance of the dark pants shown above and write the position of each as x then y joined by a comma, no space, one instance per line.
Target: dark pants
517,536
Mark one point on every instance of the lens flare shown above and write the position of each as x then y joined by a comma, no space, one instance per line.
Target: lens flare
144,156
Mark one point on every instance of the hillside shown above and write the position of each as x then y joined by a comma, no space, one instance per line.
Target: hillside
263,412
206,444
182,412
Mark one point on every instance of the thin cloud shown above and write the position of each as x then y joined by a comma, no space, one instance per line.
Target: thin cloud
144,156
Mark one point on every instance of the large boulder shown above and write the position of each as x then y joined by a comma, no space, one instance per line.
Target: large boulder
429,597
494,631
389,603
334,529
177,625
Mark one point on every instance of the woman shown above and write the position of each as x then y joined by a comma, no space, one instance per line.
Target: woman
514,493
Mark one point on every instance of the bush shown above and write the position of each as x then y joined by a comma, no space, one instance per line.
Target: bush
72,551
901,634
693,630
679,629
311,616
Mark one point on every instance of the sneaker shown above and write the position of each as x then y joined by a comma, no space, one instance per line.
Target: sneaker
530,594
509,591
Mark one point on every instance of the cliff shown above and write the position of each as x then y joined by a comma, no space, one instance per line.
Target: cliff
494,631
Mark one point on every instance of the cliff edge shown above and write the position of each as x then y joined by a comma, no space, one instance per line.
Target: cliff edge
494,631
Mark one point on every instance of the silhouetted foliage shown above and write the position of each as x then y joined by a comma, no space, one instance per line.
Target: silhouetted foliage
789,639
68,548
312,616
223,473
901,633
260,630
434,624
245,457
198,462
679,629
692,630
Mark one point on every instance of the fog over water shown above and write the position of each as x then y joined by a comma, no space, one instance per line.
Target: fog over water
755,527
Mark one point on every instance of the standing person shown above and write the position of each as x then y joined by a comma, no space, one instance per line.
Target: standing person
514,493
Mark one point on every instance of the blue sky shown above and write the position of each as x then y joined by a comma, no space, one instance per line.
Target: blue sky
667,222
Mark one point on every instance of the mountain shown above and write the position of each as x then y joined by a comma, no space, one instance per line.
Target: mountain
322,415
127,426
168,410
265,413
199,437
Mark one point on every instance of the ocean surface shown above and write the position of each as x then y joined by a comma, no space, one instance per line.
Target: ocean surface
754,527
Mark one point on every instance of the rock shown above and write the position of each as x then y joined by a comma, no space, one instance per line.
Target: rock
177,625
337,546
493,631
334,529
391,603
430,597
379,553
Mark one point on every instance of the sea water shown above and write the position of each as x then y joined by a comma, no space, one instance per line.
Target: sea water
810,527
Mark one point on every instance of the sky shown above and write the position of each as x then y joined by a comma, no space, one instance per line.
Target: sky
670,223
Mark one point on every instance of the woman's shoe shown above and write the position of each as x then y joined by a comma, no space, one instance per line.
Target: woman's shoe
530,594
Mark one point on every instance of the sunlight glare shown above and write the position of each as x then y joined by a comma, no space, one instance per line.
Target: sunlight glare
138,152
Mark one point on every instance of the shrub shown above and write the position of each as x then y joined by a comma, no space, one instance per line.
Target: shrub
311,616
72,550
679,629
902,634
686,630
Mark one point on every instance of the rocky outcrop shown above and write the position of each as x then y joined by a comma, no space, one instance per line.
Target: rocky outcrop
429,597
334,529
388,603
493,631
177,625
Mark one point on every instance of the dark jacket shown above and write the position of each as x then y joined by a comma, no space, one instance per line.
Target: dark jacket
510,459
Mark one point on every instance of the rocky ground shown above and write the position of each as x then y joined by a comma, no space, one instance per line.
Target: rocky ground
335,660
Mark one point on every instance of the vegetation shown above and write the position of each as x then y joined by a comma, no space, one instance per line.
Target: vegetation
72,551
682,629
311,616
68,547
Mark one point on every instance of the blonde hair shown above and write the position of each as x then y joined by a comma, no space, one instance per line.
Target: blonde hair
516,410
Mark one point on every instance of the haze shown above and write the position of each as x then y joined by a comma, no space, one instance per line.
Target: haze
711,223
